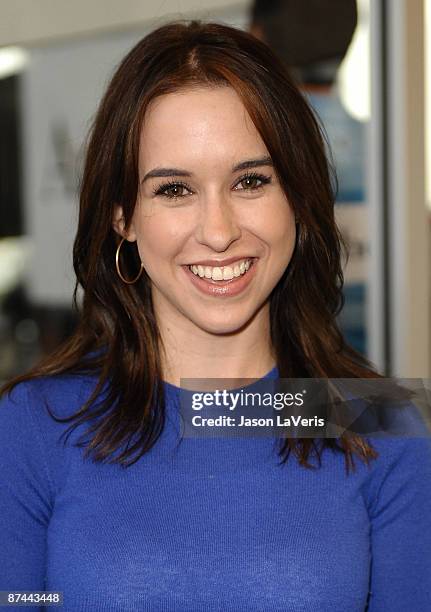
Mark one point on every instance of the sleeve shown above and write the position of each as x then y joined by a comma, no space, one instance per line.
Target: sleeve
401,529
25,494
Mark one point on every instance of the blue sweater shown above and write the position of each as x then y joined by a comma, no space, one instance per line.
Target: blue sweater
210,524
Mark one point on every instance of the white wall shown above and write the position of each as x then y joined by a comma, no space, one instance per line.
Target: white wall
36,21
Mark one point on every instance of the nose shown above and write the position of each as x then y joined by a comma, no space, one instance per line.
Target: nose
217,225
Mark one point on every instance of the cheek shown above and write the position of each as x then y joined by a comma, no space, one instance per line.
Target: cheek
275,226
159,239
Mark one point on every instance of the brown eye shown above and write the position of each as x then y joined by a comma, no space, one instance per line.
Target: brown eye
253,182
172,190
250,182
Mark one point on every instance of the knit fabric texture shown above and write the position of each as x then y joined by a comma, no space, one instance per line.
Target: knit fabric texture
207,525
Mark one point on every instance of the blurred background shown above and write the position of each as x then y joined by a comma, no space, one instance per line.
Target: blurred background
365,67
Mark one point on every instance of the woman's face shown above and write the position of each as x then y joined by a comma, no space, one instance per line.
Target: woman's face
214,229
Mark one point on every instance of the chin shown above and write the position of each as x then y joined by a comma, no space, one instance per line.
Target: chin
221,325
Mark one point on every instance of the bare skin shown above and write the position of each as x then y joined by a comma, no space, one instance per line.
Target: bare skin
219,214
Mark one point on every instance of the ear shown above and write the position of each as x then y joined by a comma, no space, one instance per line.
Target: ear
118,225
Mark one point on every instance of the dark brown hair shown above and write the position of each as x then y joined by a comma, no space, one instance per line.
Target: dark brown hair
117,338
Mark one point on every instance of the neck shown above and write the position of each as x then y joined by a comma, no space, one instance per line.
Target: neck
192,352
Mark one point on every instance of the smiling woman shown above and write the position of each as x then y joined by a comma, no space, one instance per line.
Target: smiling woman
226,233
206,248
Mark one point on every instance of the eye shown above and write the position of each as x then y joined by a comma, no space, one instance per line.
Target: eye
253,181
172,190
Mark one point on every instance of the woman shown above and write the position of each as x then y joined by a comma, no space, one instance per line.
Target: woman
206,248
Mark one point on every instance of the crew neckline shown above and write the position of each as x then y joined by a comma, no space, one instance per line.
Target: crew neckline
273,373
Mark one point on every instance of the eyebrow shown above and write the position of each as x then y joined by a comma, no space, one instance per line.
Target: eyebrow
244,165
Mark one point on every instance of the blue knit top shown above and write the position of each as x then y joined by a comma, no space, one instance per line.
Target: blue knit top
208,524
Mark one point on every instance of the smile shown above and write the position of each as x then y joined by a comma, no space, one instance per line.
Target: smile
222,281
222,273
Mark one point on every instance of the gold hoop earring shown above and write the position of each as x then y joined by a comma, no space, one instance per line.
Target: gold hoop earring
117,265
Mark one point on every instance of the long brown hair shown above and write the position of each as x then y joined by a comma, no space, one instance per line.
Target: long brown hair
117,338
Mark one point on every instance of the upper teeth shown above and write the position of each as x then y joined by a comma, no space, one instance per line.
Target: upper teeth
224,273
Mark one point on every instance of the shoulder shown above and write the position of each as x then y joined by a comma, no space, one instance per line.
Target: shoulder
30,401
402,452
403,438
33,452
403,473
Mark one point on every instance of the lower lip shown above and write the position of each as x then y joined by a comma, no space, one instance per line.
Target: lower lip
227,288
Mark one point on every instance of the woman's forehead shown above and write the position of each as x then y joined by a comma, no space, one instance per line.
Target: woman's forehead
190,124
